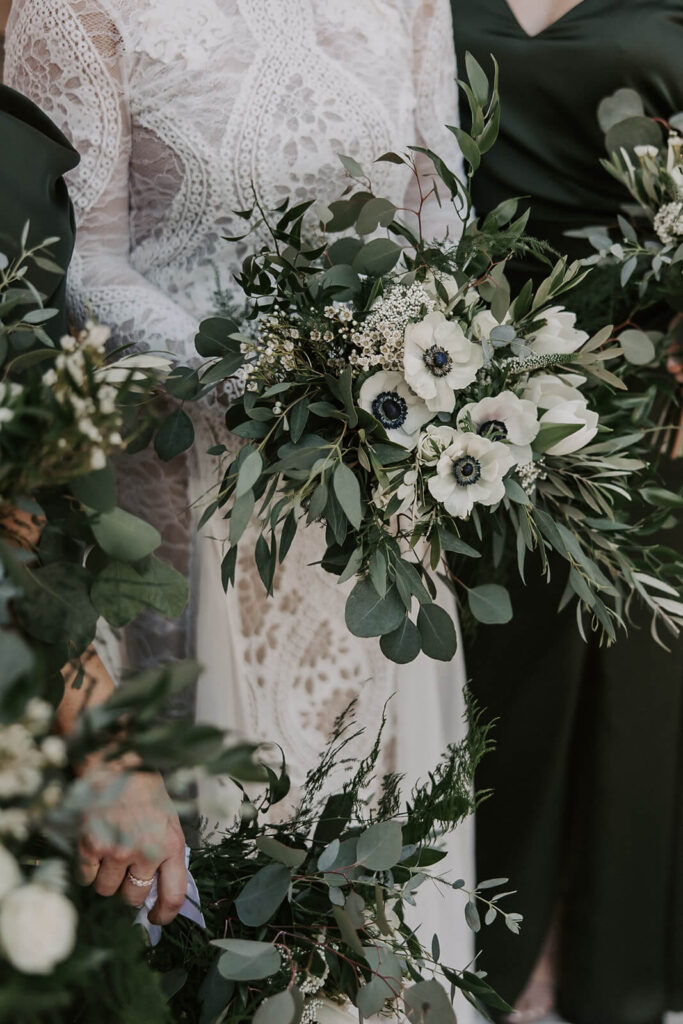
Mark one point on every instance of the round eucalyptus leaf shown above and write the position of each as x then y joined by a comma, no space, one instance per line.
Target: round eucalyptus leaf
379,847
284,1008
403,645
174,436
428,1003
263,894
621,105
368,614
377,258
638,347
490,604
277,851
124,536
97,490
634,131
437,632
244,960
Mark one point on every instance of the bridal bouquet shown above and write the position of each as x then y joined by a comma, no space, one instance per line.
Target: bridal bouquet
394,392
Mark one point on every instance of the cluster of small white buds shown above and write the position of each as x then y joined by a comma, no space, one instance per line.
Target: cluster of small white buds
529,474
668,223
379,343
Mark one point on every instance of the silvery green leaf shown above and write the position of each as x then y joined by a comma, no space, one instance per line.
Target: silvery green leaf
284,1008
354,907
123,536
472,916
376,213
620,105
492,883
348,932
379,847
244,960
241,515
638,347
249,472
428,1003
369,615
402,645
504,333
263,894
490,604
336,896
276,850
347,490
351,166
329,855
437,632
491,915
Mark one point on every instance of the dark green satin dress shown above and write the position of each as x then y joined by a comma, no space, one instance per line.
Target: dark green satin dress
35,156
587,808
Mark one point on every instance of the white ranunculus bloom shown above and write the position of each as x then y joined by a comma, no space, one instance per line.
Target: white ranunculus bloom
448,283
37,928
439,360
433,442
559,335
10,873
471,472
505,417
387,396
563,402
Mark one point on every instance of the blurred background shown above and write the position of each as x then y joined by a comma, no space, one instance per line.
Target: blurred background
4,12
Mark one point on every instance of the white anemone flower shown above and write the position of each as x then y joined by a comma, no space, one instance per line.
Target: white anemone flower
387,396
439,360
505,417
559,335
471,472
563,402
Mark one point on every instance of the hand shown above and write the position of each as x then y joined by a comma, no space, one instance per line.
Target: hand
138,832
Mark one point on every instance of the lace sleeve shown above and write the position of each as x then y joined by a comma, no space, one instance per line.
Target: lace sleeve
68,56
437,106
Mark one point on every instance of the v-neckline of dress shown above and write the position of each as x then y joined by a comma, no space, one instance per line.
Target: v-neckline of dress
548,28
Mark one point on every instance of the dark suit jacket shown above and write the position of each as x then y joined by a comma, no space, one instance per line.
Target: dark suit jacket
34,156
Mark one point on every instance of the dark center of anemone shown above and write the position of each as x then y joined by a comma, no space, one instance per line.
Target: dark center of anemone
467,470
438,361
390,409
494,430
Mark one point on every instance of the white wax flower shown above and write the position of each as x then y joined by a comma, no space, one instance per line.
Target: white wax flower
505,417
439,360
37,928
387,396
559,335
10,873
470,472
564,403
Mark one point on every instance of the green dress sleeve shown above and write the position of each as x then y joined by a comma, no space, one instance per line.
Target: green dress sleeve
36,156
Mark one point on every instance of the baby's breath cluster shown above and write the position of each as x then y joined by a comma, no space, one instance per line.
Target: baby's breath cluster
668,223
379,342
76,386
28,753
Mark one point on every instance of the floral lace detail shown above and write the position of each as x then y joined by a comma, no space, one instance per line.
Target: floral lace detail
178,30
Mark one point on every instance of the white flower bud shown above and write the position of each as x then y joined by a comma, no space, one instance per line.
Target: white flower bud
37,928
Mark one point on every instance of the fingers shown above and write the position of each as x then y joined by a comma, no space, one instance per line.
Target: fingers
144,871
88,864
172,886
112,873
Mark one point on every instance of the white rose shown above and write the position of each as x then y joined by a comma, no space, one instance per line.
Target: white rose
470,472
433,442
387,396
564,403
559,335
439,360
505,417
37,928
10,874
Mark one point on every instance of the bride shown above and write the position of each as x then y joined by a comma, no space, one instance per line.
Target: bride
179,108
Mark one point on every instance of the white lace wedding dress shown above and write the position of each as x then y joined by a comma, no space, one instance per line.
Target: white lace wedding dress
178,108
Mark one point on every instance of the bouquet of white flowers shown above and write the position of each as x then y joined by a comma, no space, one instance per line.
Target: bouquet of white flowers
394,392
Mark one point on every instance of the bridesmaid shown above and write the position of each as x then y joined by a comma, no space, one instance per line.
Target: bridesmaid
588,773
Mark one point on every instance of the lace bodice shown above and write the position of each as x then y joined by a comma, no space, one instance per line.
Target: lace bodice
180,108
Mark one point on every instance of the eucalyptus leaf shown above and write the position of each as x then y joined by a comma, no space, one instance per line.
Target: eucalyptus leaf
379,847
244,960
403,645
347,490
123,536
368,614
174,436
263,894
428,1003
96,489
284,1008
638,347
437,632
277,851
490,604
